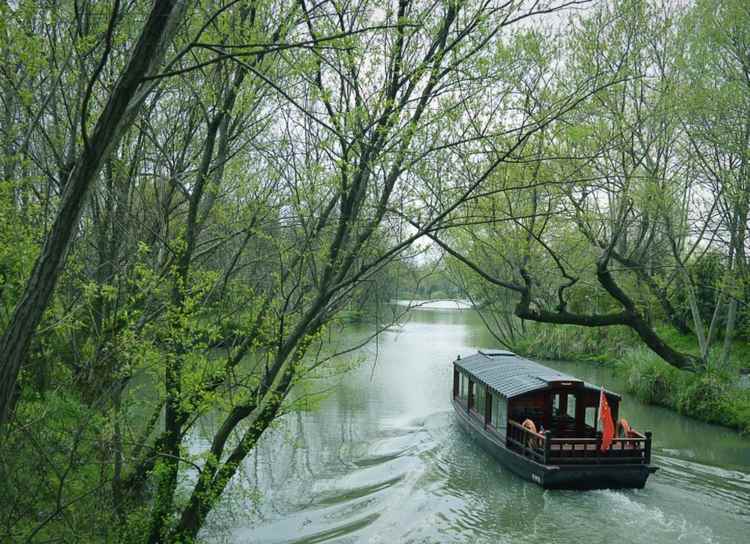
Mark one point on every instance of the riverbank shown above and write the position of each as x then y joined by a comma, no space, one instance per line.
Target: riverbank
715,395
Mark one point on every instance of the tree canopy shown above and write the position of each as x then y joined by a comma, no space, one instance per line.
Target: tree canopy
194,193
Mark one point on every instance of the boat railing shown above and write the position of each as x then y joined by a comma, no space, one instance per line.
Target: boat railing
549,450
525,441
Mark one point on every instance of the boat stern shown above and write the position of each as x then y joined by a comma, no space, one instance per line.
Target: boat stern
590,477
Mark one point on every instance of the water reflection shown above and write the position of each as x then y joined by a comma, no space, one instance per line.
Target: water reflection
383,460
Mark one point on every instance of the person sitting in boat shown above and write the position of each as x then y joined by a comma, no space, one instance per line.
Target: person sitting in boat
625,431
532,440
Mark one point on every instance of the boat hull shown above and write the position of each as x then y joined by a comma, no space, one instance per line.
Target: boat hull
580,477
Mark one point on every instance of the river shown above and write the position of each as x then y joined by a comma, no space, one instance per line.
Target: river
382,460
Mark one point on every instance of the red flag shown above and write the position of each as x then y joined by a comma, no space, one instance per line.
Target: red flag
608,427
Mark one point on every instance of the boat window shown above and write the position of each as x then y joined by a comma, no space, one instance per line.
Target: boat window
591,416
463,386
572,406
556,404
529,407
479,391
495,411
499,413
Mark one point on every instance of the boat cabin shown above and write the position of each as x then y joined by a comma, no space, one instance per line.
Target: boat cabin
540,413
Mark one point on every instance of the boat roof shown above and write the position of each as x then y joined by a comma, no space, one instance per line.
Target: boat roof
512,375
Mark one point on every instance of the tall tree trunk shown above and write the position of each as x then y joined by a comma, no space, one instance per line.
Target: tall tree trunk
117,115
737,269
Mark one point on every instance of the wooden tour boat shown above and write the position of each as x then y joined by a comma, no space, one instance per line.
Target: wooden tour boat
497,394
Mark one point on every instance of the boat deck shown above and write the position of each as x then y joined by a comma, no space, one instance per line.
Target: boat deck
577,467
549,449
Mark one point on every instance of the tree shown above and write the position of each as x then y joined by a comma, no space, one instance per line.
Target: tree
118,112
581,239
270,179
716,89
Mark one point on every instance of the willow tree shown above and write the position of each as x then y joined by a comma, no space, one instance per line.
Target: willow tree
80,163
582,231
715,99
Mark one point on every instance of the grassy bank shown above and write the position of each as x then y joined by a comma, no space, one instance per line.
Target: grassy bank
713,395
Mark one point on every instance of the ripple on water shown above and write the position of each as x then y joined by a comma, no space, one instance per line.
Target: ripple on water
383,461
483,502
629,513
429,482
361,488
730,488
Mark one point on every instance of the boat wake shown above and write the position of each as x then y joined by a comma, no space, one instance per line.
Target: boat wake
425,480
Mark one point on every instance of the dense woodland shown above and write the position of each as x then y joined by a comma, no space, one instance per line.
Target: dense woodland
193,194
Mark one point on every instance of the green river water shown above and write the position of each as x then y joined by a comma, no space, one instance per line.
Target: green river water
382,460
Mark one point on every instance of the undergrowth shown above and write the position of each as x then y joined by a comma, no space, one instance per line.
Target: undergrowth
712,394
